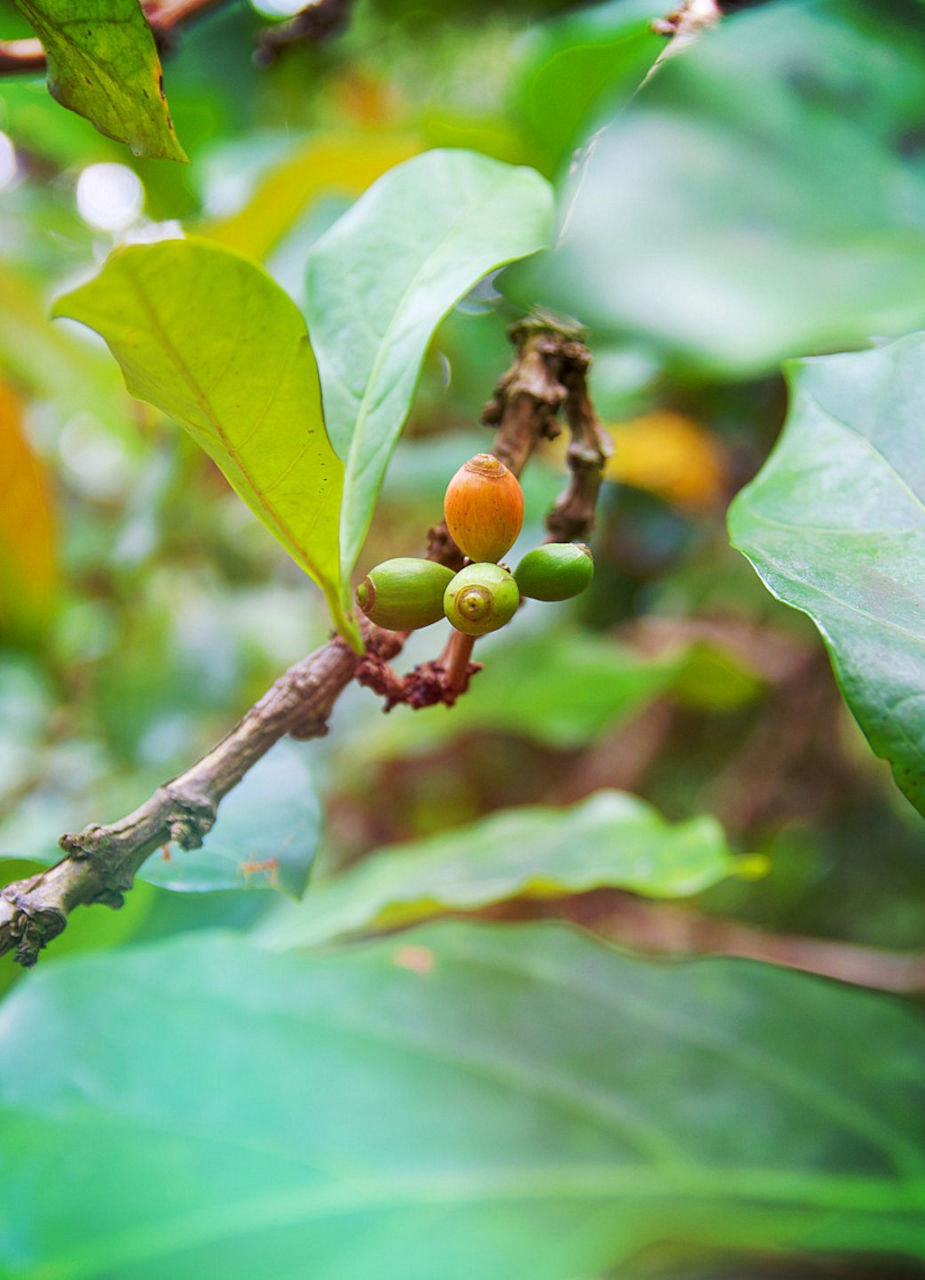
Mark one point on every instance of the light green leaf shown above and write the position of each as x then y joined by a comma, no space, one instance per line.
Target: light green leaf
835,525
208,337
742,208
383,277
460,1102
103,64
609,840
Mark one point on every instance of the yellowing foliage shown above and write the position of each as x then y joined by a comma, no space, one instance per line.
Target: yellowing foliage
27,529
670,455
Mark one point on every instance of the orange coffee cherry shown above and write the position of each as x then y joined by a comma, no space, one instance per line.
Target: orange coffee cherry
484,508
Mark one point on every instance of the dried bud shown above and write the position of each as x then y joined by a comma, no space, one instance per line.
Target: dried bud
484,508
481,598
404,594
555,571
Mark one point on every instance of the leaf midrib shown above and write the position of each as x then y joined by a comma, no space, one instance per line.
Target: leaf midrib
206,406
537,1184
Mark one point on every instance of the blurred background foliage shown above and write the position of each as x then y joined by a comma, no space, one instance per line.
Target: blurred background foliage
143,608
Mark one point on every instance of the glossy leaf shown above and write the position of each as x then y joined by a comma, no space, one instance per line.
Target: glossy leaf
611,839
742,208
210,339
835,525
103,64
462,1101
383,277
28,570
327,164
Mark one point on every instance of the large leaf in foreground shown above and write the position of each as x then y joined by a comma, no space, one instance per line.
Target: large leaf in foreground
835,525
460,1102
103,64
208,337
383,277
611,839
742,208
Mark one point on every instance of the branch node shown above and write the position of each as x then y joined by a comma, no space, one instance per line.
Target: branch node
191,818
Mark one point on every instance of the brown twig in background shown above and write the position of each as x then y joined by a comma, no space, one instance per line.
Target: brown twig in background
319,21
166,19
101,861
21,57
589,448
674,930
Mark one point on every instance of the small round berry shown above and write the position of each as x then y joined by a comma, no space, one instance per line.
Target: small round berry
404,594
481,598
484,508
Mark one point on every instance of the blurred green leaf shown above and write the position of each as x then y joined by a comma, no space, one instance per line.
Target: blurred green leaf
561,688
383,277
103,64
578,66
266,835
463,1101
609,840
835,525
763,196
326,164
25,708
51,364
209,338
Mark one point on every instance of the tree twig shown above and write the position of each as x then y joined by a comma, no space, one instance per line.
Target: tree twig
101,861
667,929
165,17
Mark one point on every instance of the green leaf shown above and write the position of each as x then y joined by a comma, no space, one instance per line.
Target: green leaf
462,1102
209,338
266,835
609,840
381,280
103,64
577,66
563,689
835,525
742,208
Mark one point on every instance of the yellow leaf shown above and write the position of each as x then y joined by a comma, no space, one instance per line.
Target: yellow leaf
669,455
330,163
27,530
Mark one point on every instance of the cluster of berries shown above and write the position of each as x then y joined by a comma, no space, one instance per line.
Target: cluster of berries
484,510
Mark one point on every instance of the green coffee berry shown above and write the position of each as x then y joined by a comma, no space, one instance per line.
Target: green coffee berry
481,598
555,571
404,594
